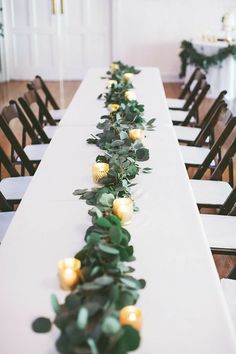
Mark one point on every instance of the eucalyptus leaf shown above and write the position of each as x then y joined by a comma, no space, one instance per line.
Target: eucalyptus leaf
92,346
104,280
111,325
106,199
55,303
41,325
108,249
82,318
79,191
142,154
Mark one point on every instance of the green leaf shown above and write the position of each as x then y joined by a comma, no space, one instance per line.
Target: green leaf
79,191
111,325
104,280
82,318
114,220
92,346
55,303
108,249
115,234
41,325
123,135
130,283
104,223
151,121
106,199
96,211
93,238
131,338
142,154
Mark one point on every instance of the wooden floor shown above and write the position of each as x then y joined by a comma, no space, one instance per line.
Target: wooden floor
64,93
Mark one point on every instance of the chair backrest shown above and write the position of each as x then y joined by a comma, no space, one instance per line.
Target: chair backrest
36,126
200,95
212,108
4,205
187,89
6,163
207,130
192,87
31,97
16,146
39,84
229,206
227,162
216,148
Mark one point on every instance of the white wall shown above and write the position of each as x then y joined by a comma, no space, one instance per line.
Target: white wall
149,32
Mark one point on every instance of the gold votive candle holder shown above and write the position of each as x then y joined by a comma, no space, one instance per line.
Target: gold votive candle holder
69,272
114,67
130,95
113,107
136,134
131,316
123,208
128,77
99,170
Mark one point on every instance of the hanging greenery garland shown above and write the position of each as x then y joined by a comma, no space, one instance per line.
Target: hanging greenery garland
189,55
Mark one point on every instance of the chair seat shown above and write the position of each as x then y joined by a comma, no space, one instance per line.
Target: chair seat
5,220
229,290
220,230
35,152
13,188
210,193
188,134
57,114
50,130
175,102
194,156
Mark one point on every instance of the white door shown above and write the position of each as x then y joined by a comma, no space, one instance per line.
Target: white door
58,39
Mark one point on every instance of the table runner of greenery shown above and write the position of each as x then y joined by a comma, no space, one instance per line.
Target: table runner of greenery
88,320
189,55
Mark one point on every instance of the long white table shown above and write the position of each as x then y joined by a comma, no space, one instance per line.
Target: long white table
183,305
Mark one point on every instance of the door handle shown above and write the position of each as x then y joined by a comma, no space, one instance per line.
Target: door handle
62,7
54,7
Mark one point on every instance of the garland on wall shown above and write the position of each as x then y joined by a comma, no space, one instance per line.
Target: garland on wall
99,315
189,55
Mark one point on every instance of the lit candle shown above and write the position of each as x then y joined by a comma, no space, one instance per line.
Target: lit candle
123,208
132,316
69,273
113,107
114,67
128,77
111,82
136,134
130,95
99,170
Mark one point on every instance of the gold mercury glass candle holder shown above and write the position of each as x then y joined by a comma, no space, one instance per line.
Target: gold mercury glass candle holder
136,134
123,208
128,77
69,273
132,316
99,170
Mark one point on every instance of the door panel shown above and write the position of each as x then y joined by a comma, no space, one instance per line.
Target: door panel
57,46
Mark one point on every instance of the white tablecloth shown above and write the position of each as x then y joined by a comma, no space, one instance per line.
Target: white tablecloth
220,77
183,305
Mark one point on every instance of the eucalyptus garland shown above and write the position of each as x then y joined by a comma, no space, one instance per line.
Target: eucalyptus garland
189,55
88,320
